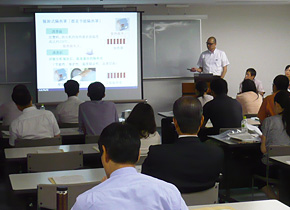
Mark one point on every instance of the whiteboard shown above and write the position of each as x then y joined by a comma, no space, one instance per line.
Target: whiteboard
170,47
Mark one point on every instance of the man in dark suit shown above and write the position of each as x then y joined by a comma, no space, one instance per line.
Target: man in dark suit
189,164
223,111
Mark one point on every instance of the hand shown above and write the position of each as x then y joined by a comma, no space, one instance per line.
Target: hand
196,70
104,178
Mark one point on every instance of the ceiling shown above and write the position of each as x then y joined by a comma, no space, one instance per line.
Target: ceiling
142,2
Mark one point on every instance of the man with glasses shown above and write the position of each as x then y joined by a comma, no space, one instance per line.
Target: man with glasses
213,60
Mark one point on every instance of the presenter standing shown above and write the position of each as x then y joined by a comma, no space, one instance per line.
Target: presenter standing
212,61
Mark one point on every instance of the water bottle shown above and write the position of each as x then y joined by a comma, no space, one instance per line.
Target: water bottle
244,125
42,107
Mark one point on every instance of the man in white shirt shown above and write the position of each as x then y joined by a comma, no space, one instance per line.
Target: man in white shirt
212,61
68,111
32,123
251,74
125,188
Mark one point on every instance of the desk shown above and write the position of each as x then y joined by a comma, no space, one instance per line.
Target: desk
17,153
252,205
238,163
283,163
29,181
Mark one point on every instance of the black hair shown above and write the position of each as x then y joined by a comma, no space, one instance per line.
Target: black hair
187,111
248,85
71,87
96,91
281,82
201,87
122,142
252,71
21,95
212,37
219,86
287,67
142,117
282,98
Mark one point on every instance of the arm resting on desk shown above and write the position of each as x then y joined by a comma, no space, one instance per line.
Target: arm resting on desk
263,144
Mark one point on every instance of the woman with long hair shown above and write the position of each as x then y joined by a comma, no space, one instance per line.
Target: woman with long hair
249,98
142,117
201,91
276,131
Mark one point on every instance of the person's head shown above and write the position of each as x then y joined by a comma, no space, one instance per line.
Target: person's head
187,112
21,97
211,43
142,117
219,87
282,106
250,73
201,88
248,85
119,145
71,88
96,91
281,82
287,71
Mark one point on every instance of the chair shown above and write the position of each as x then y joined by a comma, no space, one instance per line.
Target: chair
46,193
274,150
39,162
209,196
90,139
38,142
68,125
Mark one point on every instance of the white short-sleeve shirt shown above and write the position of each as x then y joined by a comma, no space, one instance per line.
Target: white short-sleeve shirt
33,124
213,62
68,111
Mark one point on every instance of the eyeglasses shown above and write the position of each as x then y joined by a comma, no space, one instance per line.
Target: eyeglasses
209,43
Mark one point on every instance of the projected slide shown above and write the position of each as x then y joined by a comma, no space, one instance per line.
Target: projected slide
87,47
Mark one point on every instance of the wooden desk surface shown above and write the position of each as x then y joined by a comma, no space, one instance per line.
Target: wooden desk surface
15,153
251,205
29,181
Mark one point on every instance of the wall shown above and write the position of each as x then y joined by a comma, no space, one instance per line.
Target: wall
252,36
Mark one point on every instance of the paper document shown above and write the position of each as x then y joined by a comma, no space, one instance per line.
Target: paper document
6,133
246,137
96,148
253,128
73,179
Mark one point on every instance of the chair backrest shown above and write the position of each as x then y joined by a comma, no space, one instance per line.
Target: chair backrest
281,150
90,139
46,193
209,196
39,162
38,142
68,125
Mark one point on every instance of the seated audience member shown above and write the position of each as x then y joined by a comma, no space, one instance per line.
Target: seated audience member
249,98
188,163
9,112
251,74
202,96
68,111
223,111
142,117
276,131
96,114
125,188
287,74
280,82
32,123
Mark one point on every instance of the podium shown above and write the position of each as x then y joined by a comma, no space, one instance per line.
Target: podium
188,89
